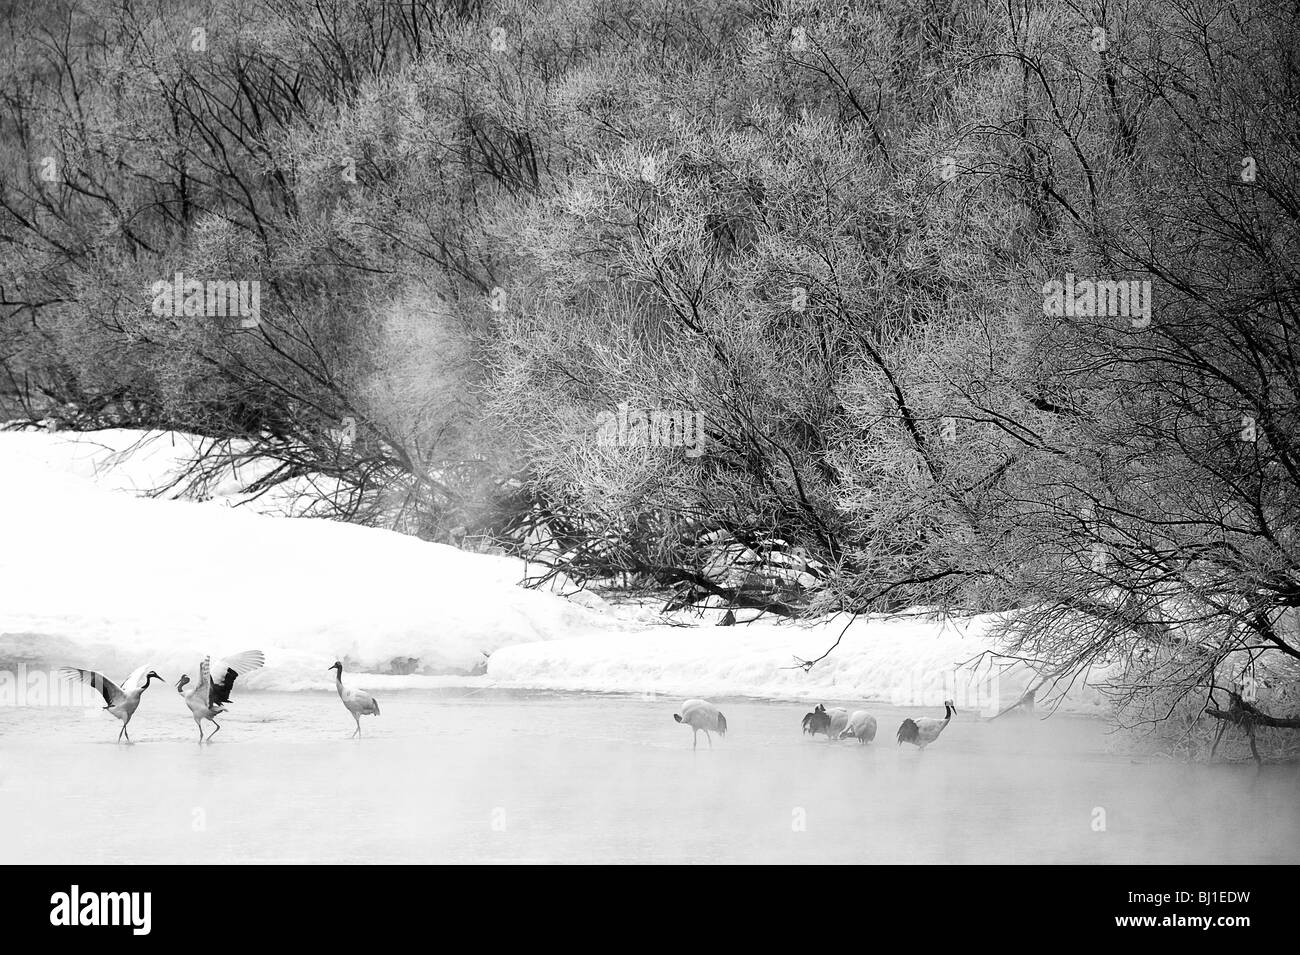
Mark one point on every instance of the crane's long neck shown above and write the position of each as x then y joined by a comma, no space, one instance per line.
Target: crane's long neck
338,680
947,713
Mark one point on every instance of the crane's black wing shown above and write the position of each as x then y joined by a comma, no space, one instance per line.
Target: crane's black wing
111,692
222,673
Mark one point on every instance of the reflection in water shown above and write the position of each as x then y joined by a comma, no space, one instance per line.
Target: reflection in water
467,776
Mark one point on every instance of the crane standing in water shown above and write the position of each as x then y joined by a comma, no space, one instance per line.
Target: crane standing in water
921,733
702,715
817,721
359,702
121,701
209,695
862,727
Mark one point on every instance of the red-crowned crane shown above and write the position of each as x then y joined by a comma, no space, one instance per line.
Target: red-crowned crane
839,719
207,698
122,700
359,702
817,721
921,733
702,715
862,727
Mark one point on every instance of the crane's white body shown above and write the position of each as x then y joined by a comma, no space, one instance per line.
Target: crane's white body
839,719
122,701
358,702
702,715
921,733
861,726
207,698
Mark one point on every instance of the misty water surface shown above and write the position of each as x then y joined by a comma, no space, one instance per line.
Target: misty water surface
496,776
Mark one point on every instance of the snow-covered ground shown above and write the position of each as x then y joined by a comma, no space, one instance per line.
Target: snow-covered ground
94,574
899,660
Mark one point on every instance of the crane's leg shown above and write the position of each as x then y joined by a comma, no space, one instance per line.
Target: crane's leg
120,732
200,726
709,737
215,731
358,732
695,737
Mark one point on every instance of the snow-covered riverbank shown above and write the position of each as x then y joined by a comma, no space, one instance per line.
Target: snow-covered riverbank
94,574
907,662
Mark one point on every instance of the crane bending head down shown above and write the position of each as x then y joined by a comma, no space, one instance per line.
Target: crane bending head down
702,715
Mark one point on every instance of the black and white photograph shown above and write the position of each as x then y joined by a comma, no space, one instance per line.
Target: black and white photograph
651,432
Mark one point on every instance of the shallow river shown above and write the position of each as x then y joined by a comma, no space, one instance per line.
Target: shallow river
461,775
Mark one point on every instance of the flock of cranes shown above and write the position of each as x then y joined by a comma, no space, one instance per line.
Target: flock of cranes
834,723
210,695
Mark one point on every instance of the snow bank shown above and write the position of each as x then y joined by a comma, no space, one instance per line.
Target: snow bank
155,463
907,661
109,580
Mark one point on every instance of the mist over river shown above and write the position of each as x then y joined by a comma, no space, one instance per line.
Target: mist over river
464,775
